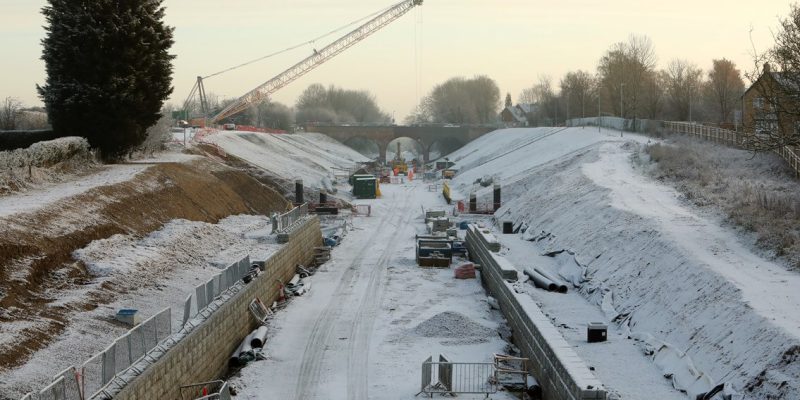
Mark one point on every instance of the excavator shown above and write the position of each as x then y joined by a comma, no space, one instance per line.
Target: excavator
317,58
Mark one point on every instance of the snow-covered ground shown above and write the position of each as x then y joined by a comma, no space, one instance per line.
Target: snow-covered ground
312,157
46,194
688,291
373,316
145,273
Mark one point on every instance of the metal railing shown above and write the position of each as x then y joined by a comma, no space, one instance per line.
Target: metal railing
447,377
560,372
284,222
140,346
214,390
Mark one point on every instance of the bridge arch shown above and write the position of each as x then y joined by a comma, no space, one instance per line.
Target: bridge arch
366,146
407,144
442,146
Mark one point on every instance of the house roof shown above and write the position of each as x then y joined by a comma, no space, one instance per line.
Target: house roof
518,115
785,80
526,108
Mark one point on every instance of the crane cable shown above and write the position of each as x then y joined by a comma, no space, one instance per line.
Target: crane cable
298,45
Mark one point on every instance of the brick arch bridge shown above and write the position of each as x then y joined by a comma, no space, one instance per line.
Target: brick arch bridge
426,136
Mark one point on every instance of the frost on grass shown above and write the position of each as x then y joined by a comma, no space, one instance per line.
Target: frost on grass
757,192
456,328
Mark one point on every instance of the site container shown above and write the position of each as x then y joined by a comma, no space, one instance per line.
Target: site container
365,186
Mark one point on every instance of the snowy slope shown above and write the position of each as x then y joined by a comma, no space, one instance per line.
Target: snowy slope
308,156
688,290
506,153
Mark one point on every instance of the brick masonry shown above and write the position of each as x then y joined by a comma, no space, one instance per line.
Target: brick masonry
203,355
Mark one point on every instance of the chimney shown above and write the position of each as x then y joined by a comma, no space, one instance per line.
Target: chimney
766,68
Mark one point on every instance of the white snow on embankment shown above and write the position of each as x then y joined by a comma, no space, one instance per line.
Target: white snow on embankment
147,273
689,291
308,156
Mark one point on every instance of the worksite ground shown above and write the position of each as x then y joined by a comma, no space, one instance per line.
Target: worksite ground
662,273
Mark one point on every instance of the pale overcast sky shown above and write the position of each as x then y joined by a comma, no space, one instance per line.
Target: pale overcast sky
512,41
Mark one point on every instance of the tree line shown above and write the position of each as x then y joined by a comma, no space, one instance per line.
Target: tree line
627,83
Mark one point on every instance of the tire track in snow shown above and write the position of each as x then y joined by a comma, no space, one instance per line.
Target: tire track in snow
361,331
313,354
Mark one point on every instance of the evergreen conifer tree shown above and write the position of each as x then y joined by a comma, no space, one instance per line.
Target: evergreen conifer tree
108,70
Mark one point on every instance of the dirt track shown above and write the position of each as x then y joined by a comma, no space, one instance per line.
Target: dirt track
36,261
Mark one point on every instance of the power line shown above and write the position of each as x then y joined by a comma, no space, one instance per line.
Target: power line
308,42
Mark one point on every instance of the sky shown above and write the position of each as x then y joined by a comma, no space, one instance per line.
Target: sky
512,41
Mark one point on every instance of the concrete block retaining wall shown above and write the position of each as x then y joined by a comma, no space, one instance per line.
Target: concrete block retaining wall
560,372
203,355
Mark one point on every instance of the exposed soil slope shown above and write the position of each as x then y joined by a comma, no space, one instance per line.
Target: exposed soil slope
36,248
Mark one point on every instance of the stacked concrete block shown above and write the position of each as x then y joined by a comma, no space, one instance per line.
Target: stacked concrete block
556,366
203,354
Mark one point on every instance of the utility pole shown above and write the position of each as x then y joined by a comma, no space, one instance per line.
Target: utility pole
598,111
621,110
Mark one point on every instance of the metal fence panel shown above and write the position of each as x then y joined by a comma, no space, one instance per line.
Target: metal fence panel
426,374
445,372
163,323
136,343
210,291
109,363
216,281
150,334
200,297
92,375
55,391
71,383
122,353
187,310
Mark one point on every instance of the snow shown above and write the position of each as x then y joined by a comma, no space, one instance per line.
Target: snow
146,273
373,316
312,157
508,154
766,286
44,195
692,296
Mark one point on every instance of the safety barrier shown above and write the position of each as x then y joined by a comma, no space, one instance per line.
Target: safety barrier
560,372
287,221
447,377
140,346
214,390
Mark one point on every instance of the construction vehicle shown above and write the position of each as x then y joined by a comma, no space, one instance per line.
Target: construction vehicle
317,58
399,165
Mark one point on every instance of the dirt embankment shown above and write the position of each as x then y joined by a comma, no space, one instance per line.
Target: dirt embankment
36,262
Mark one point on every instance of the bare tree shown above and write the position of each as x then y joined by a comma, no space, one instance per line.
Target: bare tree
463,101
653,94
578,92
624,71
774,109
725,87
10,113
684,81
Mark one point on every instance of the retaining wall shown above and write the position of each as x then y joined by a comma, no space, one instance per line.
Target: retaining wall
203,355
558,369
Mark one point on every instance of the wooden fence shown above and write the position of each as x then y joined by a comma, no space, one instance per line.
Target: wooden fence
727,136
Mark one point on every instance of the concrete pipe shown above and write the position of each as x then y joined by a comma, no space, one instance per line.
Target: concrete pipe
562,287
540,281
234,358
259,337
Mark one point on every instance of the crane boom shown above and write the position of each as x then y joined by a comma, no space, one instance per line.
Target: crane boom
262,92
